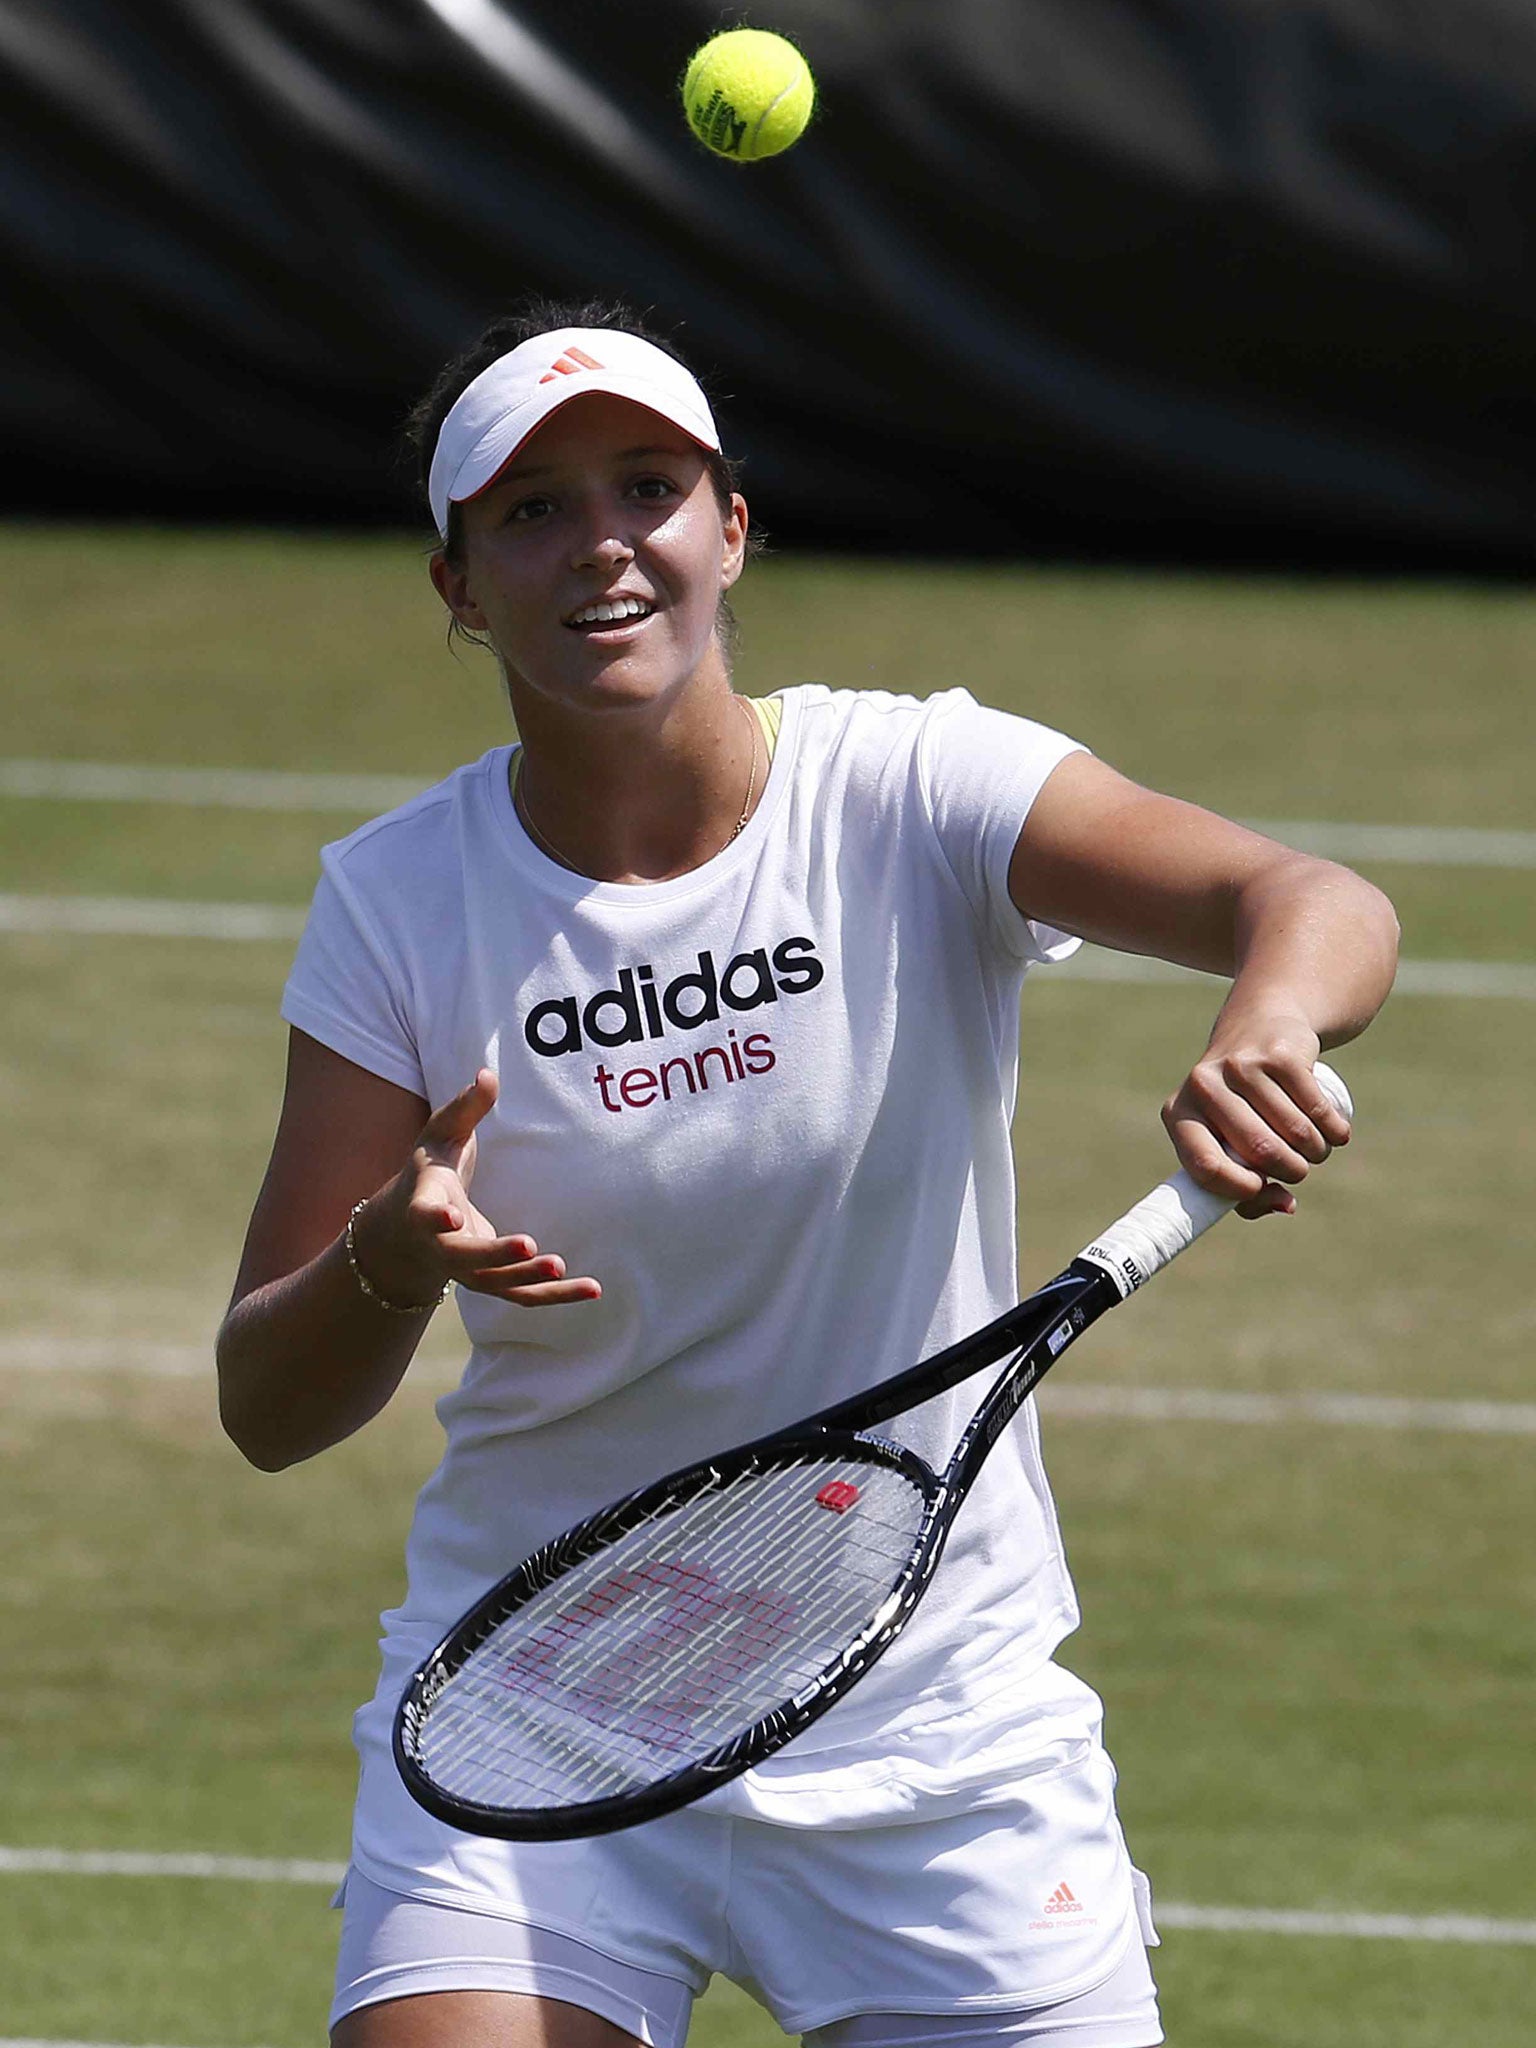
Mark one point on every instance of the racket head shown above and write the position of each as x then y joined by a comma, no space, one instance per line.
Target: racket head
666,1644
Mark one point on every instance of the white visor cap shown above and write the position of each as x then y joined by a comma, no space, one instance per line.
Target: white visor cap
493,416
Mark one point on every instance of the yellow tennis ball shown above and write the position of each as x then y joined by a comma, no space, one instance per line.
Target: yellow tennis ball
748,94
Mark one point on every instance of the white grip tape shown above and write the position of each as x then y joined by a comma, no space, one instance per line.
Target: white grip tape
1155,1231
1161,1225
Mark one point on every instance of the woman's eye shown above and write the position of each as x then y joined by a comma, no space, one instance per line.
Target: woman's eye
654,487
528,509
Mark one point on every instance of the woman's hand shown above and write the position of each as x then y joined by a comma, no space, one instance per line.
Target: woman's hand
1309,947
423,1229
1250,1120
304,1357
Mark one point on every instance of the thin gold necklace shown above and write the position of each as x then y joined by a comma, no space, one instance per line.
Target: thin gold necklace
520,801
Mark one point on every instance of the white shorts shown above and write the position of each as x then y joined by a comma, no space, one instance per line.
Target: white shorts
987,1890
393,1947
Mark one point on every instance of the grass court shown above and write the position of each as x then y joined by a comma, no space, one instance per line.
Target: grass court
1315,1641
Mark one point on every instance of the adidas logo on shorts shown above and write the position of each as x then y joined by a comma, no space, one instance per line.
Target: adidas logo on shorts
1062,1901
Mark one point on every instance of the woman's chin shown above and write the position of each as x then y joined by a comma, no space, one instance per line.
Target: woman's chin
626,679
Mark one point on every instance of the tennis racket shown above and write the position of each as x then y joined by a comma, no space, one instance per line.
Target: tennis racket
671,1641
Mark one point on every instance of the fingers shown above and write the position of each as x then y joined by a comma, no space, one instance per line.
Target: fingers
453,1124
1325,1113
547,1294
447,1137
423,1228
439,1235
439,1207
536,1282
1272,1200
510,1268
1250,1128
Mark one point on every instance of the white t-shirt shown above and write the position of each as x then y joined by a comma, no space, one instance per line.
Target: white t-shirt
767,1104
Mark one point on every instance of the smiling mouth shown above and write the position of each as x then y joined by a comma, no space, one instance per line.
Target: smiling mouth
608,613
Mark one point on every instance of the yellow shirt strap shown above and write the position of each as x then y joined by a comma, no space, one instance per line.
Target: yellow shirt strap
770,716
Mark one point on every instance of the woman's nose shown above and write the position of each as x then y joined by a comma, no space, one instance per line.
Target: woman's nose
602,550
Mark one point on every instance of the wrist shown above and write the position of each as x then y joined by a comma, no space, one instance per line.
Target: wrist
1274,1015
379,1283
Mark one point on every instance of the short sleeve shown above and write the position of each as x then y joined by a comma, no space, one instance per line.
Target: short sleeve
346,990
981,771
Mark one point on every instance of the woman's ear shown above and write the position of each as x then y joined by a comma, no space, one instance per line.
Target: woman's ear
734,552
451,583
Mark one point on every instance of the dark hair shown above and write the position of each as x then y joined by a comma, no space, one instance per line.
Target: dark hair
531,316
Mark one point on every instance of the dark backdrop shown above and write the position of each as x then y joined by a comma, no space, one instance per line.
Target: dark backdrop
1222,279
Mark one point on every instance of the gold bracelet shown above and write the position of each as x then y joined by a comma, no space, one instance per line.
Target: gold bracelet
415,1308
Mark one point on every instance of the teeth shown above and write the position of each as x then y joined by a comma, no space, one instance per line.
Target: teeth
604,614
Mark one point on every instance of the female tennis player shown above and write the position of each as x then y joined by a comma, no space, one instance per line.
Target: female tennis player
682,1038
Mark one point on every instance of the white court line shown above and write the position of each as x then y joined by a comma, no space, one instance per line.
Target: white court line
148,917
1064,1398
1509,978
1515,979
1213,1919
160,917
1439,846
159,1361
1075,1400
1368,1411
156,1361
234,789
279,789
136,1863
1358,1926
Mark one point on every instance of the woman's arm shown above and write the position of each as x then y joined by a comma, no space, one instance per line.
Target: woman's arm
1311,947
305,1356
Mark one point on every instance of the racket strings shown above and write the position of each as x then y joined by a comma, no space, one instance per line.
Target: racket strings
662,1669
620,1674
668,1642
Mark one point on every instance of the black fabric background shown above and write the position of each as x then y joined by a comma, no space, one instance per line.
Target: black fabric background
1219,279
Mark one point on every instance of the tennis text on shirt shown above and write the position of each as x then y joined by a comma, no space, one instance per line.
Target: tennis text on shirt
639,1007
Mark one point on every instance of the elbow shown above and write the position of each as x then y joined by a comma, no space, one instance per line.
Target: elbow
246,1417
1386,927
1367,936
263,1460
257,1445
1392,921
264,1456
1360,918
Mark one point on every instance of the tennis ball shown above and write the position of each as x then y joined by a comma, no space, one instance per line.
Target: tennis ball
748,94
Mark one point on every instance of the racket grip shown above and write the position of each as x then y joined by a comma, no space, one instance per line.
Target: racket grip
1162,1224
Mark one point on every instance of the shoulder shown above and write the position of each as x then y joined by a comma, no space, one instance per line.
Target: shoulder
829,715
401,880
418,836
882,736
886,718
864,732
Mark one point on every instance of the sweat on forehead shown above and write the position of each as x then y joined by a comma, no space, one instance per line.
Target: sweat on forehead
497,411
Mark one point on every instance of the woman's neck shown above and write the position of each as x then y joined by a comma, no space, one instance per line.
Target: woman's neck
640,799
